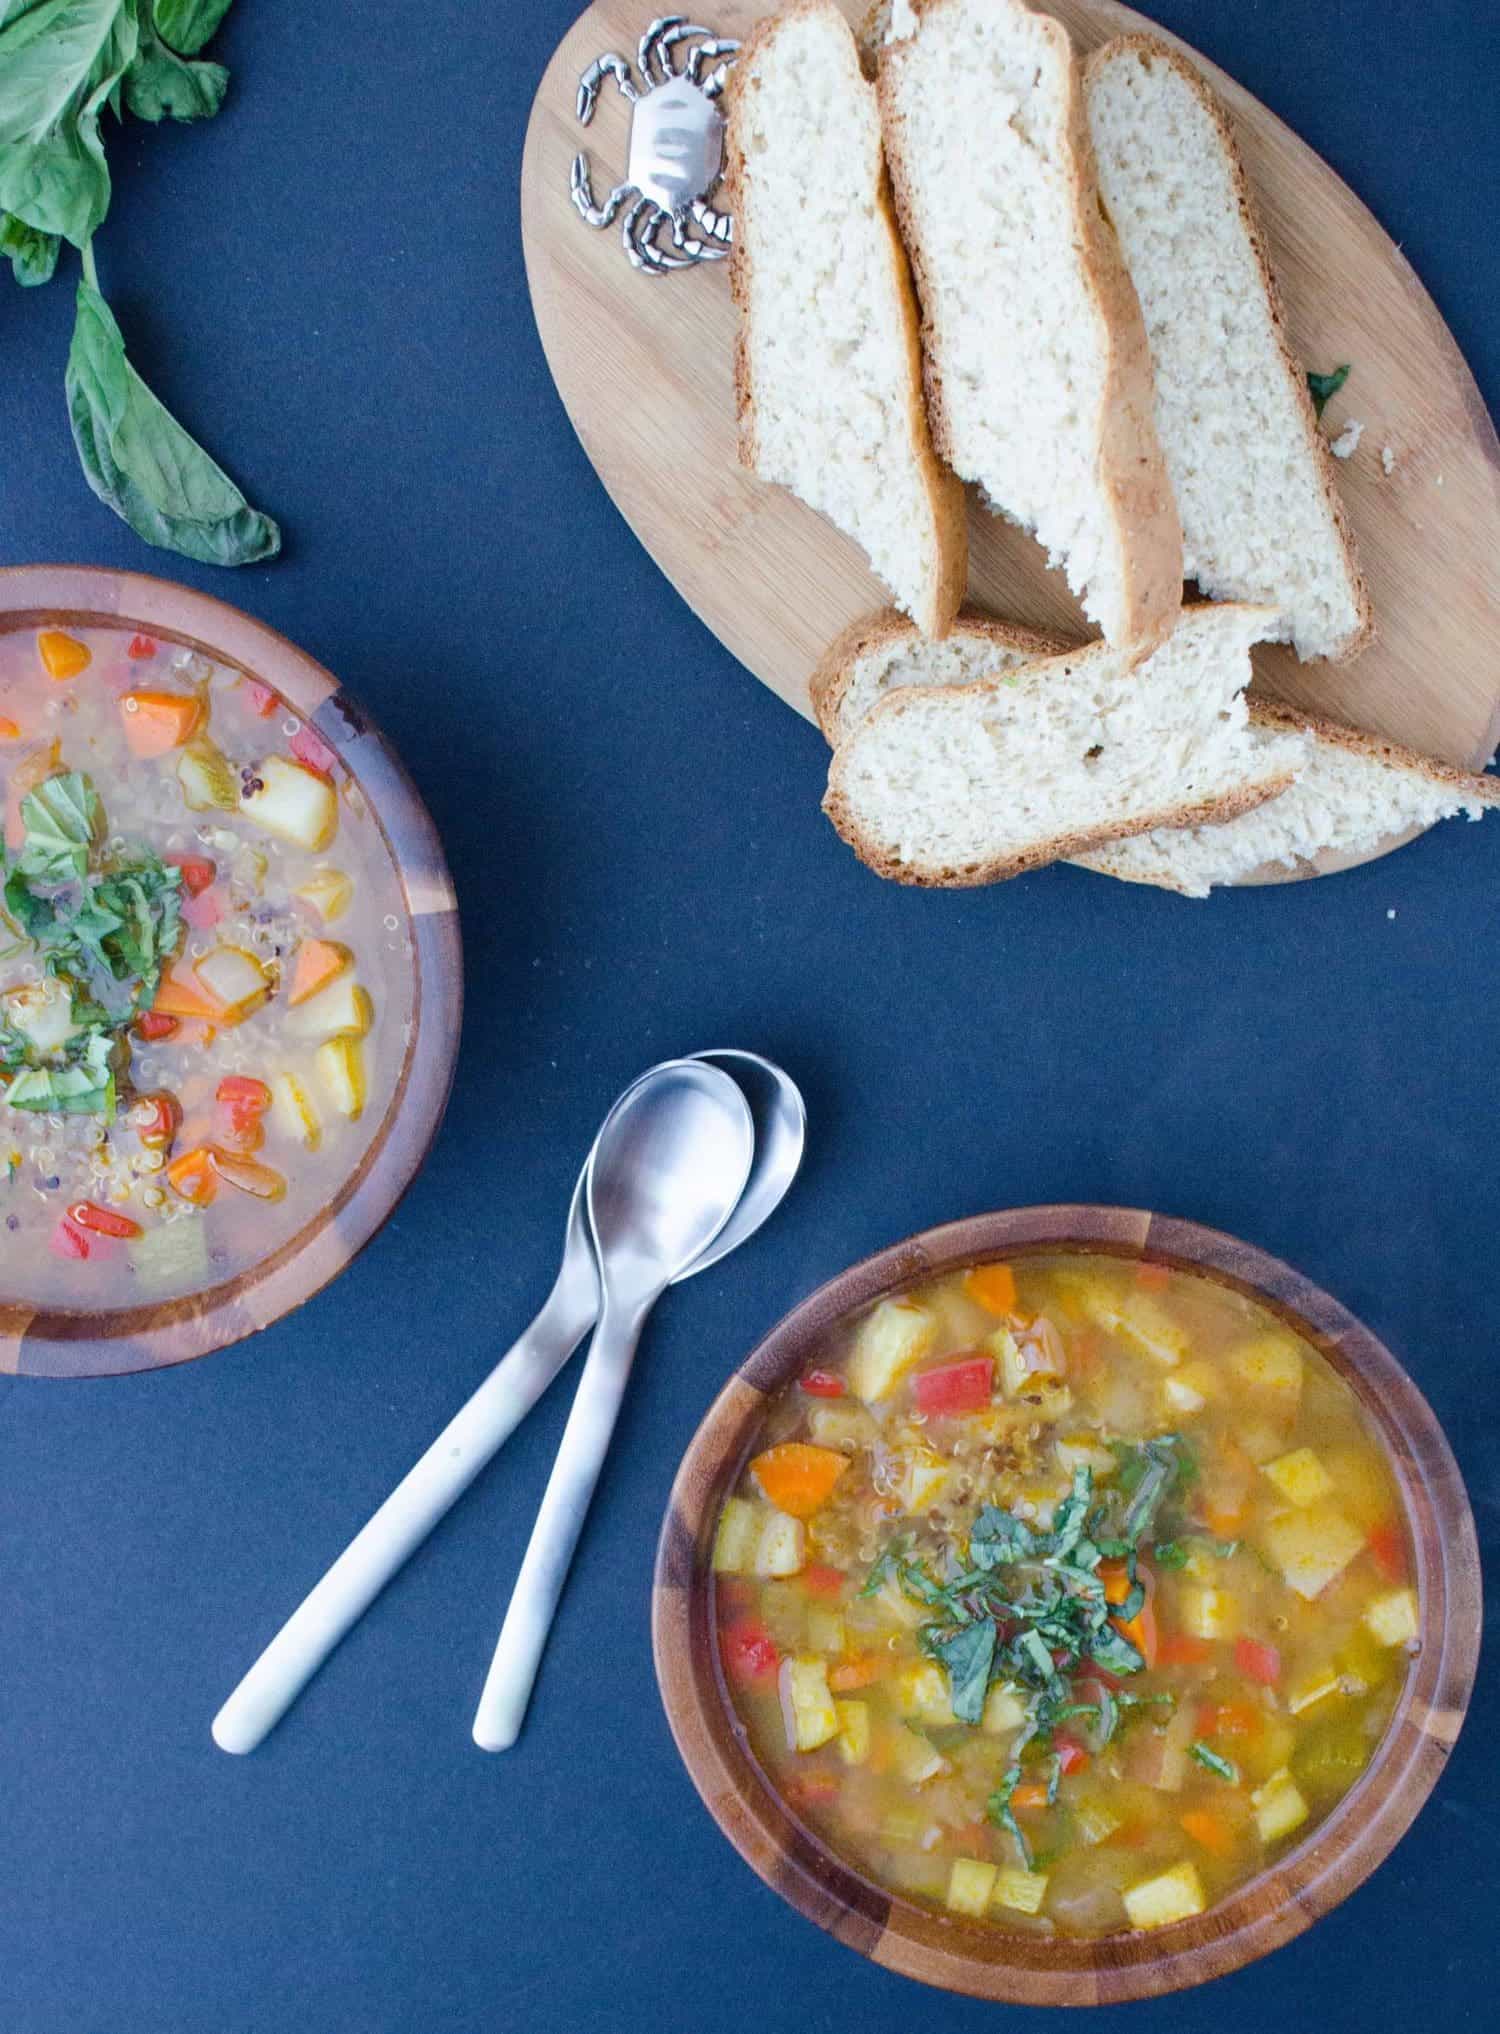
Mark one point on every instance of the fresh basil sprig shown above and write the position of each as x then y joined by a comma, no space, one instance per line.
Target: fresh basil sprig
1323,387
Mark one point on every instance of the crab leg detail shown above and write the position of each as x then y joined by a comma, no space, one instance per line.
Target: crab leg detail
641,222
583,196
659,41
717,225
705,53
613,65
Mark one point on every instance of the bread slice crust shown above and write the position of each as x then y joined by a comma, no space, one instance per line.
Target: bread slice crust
944,591
1142,45
1134,491
830,681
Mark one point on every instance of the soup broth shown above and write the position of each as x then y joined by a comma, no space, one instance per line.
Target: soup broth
1064,1594
205,970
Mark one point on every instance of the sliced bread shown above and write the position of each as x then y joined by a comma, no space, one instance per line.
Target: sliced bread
1037,370
884,652
952,785
828,367
1261,515
1355,792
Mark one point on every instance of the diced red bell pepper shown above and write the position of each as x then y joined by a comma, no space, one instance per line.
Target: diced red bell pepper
1071,1755
310,749
959,1387
68,1240
197,872
1258,1662
244,1098
203,911
155,1025
141,646
823,1580
1388,1550
750,1653
160,1116
822,1384
262,699
102,1221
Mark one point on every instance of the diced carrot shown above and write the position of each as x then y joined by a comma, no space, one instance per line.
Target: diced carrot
797,1477
1153,1277
822,1579
155,722
317,963
1388,1550
102,1221
1116,1579
1140,1630
1180,1649
261,1182
993,1286
1229,1719
177,996
1029,1798
1258,1661
10,730
857,1673
1211,1830
64,656
192,1175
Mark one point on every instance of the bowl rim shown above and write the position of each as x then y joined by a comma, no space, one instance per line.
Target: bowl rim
44,1340
1283,1899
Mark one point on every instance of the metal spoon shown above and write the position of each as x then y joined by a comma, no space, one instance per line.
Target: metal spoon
487,1419
665,1176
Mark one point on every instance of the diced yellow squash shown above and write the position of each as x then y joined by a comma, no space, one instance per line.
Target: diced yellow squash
896,1608
340,1067
1311,1547
897,1335
292,1112
1173,1895
235,980
1047,1399
914,1758
42,1012
842,1426
1270,1365
853,1745
1313,1689
1279,1806
1392,1619
1022,1892
342,1010
921,1691
1095,1823
1013,1366
208,783
970,1883
924,1478
295,804
902,1827
811,1716
781,1548
739,1530
825,1630
1004,1709
1299,1476
1210,1613
1078,1451
328,892
1148,1327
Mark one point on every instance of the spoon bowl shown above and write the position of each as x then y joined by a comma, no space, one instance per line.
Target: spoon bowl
780,1138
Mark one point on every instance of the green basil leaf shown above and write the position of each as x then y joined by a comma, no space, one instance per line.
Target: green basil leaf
1210,1759
187,24
84,1086
161,83
33,255
998,1538
967,1654
61,817
1325,386
1112,1651
60,62
141,462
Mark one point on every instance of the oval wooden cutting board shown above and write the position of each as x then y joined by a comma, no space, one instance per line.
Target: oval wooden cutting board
644,369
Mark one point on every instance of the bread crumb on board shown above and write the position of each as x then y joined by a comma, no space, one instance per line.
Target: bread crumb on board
1346,443
1387,460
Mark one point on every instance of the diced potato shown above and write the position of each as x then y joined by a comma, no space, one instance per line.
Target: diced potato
1311,1547
844,1426
914,1758
811,1715
1279,1806
1392,1619
825,1630
970,1884
889,1342
342,1010
235,979
1180,1397
1262,1440
853,1745
1047,1399
208,783
901,1827
894,1606
1095,1823
1004,1709
1313,1689
1022,1892
739,1529
292,1112
1299,1476
1078,1451
340,1066
924,1478
293,803
1271,1365
42,1012
921,1691
782,1546
328,892
1149,1328
1006,1351
1210,1613
1173,1895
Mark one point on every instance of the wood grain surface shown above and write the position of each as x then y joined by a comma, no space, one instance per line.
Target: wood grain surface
981,1958
644,369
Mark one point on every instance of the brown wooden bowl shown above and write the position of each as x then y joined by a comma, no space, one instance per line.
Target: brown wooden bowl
980,1958
51,1342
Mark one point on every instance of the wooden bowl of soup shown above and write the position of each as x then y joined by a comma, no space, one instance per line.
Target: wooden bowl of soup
1067,1605
230,982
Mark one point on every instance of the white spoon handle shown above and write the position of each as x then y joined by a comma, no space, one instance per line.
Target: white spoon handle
470,1440
549,1553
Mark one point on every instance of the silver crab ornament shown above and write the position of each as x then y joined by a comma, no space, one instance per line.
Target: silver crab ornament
676,147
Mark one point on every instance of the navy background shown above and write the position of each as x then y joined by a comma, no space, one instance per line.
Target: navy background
327,283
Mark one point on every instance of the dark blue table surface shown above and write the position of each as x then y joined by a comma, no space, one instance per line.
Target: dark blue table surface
327,282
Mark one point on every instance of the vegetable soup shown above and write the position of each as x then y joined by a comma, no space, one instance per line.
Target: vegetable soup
205,975
1066,1593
